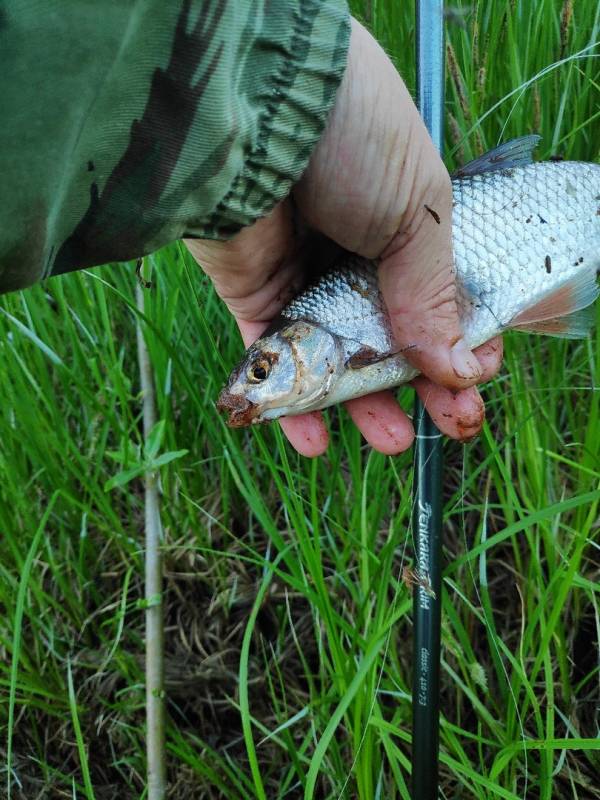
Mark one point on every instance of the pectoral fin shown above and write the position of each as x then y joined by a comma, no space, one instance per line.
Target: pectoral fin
565,311
573,326
364,356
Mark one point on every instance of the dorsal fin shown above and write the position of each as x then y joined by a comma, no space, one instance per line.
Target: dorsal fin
516,153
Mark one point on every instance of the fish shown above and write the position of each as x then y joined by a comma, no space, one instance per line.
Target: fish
526,239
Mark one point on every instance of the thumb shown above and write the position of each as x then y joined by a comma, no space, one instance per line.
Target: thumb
417,279
370,182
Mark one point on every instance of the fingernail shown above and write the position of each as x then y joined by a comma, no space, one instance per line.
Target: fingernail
464,363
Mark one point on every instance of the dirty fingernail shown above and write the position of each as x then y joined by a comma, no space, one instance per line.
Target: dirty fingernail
464,363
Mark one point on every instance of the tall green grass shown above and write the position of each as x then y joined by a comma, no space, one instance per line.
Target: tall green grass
288,621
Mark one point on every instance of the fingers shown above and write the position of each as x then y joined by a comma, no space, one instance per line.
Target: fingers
457,414
382,422
460,415
306,433
250,331
489,356
378,416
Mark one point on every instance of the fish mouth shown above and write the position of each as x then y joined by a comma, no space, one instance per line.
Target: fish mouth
240,410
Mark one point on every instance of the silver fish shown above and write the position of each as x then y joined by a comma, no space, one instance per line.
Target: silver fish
526,242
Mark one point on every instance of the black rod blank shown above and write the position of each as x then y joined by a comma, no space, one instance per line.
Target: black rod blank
427,491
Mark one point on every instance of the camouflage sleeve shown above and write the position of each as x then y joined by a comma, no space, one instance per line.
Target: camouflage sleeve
128,124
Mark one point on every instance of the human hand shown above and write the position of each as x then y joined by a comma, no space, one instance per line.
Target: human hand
371,185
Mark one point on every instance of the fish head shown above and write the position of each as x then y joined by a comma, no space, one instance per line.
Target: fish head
285,373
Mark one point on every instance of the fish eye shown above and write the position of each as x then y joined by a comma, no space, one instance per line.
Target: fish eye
259,370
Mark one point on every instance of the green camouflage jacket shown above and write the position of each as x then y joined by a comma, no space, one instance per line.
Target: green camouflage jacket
127,124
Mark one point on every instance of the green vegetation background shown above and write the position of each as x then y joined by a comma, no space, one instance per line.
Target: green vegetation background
288,622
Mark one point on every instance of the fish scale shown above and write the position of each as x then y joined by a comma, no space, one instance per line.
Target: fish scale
526,240
350,302
506,225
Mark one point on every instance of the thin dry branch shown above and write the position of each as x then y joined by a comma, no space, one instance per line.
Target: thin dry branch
155,695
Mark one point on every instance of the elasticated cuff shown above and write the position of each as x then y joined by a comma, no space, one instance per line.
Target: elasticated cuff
295,110
138,124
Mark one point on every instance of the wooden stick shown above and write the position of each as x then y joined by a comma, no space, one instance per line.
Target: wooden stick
155,694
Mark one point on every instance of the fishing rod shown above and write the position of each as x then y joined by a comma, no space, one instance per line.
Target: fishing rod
427,480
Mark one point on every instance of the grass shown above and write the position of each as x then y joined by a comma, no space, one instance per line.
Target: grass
288,638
